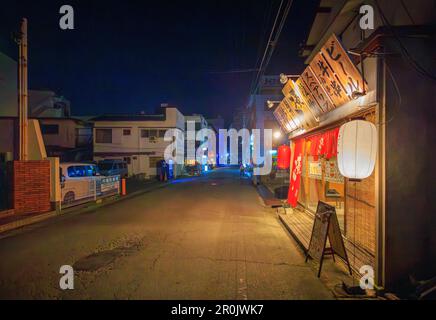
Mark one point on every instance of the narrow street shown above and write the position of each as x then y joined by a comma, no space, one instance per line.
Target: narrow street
199,238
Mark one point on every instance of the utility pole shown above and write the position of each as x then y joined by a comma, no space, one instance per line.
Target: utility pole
23,94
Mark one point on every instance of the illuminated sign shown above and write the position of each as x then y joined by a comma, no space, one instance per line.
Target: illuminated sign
316,90
328,82
336,73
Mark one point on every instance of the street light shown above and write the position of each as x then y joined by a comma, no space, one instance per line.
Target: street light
284,78
271,104
277,134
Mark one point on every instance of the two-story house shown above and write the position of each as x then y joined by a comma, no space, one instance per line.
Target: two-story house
137,139
70,138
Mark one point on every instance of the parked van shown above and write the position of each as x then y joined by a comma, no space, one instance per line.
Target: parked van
77,182
112,167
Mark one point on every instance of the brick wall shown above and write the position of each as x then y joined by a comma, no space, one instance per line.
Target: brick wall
31,186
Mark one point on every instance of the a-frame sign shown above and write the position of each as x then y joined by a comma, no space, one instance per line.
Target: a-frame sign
326,225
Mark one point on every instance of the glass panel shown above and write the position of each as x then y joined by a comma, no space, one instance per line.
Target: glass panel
105,166
144,133
103,135
50,129
76,171
152,133
321,181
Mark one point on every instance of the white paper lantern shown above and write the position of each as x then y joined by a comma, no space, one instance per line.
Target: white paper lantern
357,149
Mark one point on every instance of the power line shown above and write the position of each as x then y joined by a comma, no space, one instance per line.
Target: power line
412,62
265,23
282,23
235,71
268,44
272,43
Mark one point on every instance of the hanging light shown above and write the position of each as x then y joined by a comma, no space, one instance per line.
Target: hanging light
283,157
357,149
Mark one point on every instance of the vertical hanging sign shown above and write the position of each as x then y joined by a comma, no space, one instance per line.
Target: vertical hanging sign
329,81
297,164
317,90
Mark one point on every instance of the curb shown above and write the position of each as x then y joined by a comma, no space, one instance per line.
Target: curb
75,210
268,198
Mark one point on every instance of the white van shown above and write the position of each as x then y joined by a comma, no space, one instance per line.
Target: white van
78,182
81,182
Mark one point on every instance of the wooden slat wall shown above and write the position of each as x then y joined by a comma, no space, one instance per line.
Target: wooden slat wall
360,221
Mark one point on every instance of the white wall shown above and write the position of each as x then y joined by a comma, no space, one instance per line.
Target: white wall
133,145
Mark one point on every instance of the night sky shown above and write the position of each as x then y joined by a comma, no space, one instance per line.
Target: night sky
129,56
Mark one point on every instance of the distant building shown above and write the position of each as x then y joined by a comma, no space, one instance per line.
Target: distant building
47,104
70,139
8,86
200,123
64,137
136,139
8,139
218,122
257,115
240,118
261,116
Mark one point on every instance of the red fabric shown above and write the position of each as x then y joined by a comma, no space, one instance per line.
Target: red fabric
331,143
283,157
324,144
294,186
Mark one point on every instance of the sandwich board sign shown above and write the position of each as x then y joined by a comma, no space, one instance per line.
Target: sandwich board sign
326,226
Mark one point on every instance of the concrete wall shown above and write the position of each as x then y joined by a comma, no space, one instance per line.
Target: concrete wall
36,148
410,134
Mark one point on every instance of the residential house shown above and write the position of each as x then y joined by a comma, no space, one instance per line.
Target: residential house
136,138
47,104
70,139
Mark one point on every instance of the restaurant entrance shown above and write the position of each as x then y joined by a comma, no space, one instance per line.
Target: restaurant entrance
354,201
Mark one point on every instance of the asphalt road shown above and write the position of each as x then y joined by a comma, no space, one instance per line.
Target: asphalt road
199,238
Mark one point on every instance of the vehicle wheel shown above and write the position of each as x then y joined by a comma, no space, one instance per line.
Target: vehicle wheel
69,198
